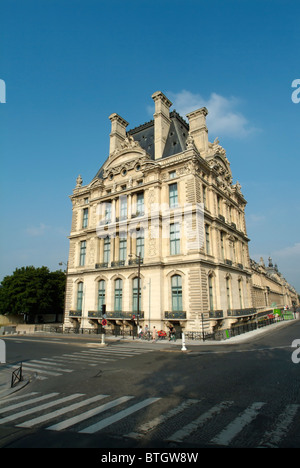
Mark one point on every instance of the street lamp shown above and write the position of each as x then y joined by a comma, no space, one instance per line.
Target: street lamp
139,282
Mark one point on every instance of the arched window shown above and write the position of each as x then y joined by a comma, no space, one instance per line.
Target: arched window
79,296
101,294
176,285
118,295
135,295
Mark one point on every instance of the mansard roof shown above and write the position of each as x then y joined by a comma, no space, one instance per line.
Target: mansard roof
176,141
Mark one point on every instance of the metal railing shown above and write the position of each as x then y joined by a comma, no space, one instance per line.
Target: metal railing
17,376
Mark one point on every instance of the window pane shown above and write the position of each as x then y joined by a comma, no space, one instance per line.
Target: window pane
101,294
173,195
176,293
135,295
80,297
118,295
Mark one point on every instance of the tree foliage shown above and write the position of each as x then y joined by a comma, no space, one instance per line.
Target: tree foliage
33,291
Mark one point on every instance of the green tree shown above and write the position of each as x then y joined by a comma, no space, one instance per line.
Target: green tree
33,291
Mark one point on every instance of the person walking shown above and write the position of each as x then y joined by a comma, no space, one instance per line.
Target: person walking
154,335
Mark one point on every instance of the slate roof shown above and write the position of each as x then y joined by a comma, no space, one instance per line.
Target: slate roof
176,141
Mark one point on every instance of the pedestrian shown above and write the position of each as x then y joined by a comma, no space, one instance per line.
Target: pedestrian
154,335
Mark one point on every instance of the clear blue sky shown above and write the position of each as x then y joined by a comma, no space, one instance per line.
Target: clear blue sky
69,64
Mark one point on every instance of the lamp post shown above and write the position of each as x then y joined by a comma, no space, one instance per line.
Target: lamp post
139,283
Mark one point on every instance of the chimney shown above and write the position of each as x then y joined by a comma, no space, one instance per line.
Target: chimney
198,129
118,132
162,122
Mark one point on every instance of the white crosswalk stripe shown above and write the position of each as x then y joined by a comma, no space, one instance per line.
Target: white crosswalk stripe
222,424
56,366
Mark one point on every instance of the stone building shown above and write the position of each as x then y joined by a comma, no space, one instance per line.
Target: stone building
270,288
160,230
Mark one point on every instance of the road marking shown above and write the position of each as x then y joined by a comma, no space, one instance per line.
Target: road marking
26,403
236,426
36,409
47,365
88,414
34,367
21,397
117,417
273,438
147,427
187,430
57,413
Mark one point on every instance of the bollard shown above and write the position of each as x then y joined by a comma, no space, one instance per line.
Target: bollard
183,343
103,339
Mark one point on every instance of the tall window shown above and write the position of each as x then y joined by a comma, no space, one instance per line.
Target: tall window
204,193
123,207
85,218
140,203
175,239
173,195
228,293
135,295
79,297
207,239
241,294
222,245
176,285
123,249
82,253
106,253
108,208
140,244
211,293
101,294
118,295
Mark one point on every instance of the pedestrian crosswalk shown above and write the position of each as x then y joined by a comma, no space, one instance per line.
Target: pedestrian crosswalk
193,421
92,356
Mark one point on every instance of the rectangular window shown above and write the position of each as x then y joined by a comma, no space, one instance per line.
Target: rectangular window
228,293
118,295
85,218
140,245
211,293
123,249
204,196
176,293
173,195
108,209
82,253
175,239
135,296
140,204
101,295
123,208
172,174
222,245
80,297
106,253
207,239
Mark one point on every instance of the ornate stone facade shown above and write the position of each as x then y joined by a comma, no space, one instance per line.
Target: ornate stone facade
165,198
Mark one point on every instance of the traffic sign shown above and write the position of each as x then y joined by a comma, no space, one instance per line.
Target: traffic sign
104,323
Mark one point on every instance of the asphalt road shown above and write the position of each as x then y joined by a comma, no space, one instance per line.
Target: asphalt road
144,395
